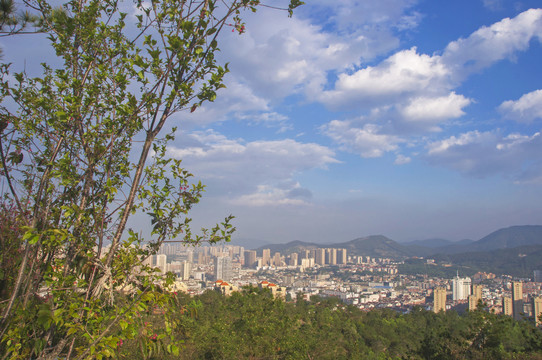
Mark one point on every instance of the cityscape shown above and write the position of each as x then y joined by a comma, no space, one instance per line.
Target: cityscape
362,281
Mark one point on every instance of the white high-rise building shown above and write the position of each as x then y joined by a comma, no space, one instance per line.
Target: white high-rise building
161,262
223,268
461,288
186,268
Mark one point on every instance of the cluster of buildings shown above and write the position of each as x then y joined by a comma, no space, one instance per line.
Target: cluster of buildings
514,300
303,259
362,281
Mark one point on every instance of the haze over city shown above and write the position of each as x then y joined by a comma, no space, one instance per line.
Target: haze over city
411,119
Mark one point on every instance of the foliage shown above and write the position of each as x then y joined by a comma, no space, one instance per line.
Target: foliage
83,148
253,325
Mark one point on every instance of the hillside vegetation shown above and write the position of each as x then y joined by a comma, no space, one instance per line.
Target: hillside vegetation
253,325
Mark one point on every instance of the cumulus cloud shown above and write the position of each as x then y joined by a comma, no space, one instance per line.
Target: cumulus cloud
488,45
437,108
526,109
410,94
365,140
405,73
238,102
258,170
488,153
278,56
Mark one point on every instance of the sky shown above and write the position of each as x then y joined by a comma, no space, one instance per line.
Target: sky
404,118
410,119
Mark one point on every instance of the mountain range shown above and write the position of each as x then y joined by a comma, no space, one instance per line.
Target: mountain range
516,249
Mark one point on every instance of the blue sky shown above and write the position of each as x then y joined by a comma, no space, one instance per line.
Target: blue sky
410,119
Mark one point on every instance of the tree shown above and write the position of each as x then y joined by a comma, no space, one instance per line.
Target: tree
82,149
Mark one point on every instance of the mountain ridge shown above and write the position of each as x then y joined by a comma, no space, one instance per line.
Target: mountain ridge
382,246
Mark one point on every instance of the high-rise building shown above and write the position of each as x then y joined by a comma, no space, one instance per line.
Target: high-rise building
475,297
517,299
320,257
161,262
537,276
250,258
186,269
277,259
461,288
507,305
341,257
293,259
537,310
223,268
331,255
190,256
439,299
266,257
307,263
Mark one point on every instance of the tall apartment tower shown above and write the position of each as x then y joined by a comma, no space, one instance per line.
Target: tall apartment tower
223,268
277,259
293,259
266,257
439,299
507,305
475,297
537,310
517,299
331,256
161,262
186,269
320,257
461,288
341,257
250,258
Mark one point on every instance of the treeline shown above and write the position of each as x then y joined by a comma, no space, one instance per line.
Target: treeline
252,325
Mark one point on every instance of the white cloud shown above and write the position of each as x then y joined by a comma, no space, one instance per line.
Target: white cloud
402,160
409,93
365,140
406,73
271,196
526,109
483,154
251,170
278,56
488,45
237,102
269,120
348,15
493,5
435,109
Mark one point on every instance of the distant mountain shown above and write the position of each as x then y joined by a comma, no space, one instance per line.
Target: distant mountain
381,246
519,261
506,238
288,248
375,246
430,243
